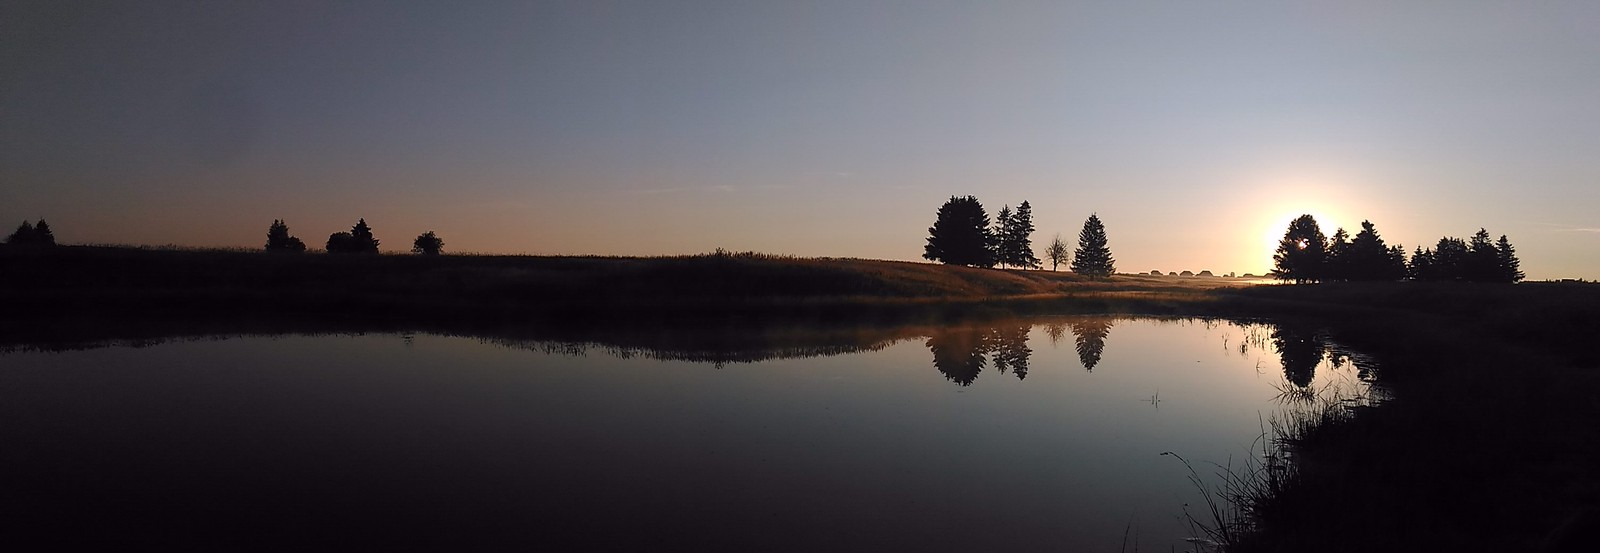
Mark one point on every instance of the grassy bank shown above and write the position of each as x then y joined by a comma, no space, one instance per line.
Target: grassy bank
1491,445
86,291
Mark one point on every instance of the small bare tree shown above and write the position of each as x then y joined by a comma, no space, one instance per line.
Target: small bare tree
1057,252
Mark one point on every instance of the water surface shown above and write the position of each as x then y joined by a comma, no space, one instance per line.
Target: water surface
1021,435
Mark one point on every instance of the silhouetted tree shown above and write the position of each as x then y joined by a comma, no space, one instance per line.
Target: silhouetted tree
1510,269
1301,252
28,234
1089,336
42,235
1019,236
1483,259
427,243
1057,252
960,235
1450,259
279,240
958,354
1093,256
1367,258
23,236
1478,260
1421,265
1336,264
358,240
341,242
1000,233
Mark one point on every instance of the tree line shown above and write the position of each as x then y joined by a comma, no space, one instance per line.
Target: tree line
29,234
1305,255
359,239
962,234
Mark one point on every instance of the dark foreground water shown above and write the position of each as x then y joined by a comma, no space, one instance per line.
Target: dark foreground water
1026,435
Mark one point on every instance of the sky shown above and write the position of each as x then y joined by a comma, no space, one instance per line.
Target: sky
1195,130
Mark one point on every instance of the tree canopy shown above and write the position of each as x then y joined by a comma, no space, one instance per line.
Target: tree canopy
279,240
1475,260
1057,252
1301,252
427,243
1093,256
1364,259
358,240
29,234
960,235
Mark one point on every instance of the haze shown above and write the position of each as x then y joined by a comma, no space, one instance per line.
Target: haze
1195,130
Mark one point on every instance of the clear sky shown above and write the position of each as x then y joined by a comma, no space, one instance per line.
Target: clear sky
1196,130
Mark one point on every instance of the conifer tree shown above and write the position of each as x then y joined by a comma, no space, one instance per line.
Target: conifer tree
1483,259
279,240
1337,265
1021,238
361,238
960,235
1093,256
42,236
1510,269
1367,258
23,236
1004,248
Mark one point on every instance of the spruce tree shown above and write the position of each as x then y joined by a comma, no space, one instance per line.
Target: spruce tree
1367,258
279,240
1483,259
1421,266
1004,249
960,235
23,236
1510,269
1339,262
42,236
361,239
1093,257
1020,237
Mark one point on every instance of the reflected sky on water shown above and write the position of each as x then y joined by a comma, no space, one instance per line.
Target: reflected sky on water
993,436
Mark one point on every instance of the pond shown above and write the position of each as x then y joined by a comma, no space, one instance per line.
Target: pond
1043,433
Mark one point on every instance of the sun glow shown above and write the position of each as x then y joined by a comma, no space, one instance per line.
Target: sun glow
1286,194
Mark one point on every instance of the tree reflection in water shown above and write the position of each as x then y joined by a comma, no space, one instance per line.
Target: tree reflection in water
1090,335
1010,346
1301,351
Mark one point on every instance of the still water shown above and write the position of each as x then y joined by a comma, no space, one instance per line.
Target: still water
1040,434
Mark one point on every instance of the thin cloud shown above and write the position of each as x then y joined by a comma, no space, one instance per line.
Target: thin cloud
1569,228
720,188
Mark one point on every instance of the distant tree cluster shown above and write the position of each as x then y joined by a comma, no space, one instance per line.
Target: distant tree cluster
29,234
279,240
962,235
1305,255
1477,260
1012,245
359,239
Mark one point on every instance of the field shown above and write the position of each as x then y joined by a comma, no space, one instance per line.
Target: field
1490,444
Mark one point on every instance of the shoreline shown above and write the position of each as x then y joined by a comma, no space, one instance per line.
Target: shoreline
1488,446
